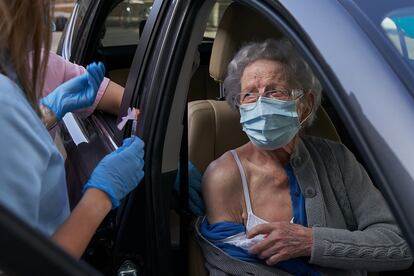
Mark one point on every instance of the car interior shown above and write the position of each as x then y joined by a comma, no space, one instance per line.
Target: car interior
209,71
213,126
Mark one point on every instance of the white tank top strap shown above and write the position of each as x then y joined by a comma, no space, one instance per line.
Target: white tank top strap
244,182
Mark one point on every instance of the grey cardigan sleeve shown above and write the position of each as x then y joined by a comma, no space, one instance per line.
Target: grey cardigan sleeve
377,244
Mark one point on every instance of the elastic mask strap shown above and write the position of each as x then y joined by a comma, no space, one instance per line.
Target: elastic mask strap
307,117
304,120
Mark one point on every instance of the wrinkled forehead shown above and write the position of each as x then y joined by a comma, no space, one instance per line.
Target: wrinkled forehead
262,73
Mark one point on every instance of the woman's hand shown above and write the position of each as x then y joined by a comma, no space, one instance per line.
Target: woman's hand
283,241
77,93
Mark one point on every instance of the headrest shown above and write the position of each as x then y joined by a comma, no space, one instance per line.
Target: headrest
213,128
238,26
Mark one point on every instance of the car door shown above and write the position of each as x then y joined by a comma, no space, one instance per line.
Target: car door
25,251
107,34
163,90
146,227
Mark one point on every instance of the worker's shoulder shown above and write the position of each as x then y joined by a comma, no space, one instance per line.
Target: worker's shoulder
16,113
11,95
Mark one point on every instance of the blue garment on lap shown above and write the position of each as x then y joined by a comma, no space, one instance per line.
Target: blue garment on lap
216,232
219,231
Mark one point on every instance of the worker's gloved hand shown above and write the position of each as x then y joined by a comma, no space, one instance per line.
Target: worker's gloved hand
77,93
195,198
119,172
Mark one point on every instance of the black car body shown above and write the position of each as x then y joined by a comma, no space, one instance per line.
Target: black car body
368,84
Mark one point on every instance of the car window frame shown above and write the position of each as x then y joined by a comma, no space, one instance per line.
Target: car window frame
383,44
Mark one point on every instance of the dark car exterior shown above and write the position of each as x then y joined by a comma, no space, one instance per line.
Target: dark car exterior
368,81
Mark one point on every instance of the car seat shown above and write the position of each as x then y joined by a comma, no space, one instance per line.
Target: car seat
213,126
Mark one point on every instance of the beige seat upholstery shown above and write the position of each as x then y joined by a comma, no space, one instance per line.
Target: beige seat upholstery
238,26
213,126
213,129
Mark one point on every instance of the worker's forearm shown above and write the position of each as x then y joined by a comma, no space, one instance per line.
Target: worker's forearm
112,98
76,232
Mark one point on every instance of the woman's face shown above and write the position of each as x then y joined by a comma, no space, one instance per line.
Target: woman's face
265,75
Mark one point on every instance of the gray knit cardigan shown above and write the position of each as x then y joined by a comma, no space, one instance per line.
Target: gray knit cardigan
353,229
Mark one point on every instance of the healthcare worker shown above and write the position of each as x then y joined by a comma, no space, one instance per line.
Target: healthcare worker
32,177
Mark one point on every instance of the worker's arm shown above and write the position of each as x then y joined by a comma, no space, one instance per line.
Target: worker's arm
114,177
76,232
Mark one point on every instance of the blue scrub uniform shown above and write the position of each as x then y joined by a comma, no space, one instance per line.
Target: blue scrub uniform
32,172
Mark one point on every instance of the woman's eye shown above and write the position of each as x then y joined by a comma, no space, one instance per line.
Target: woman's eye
248,97
279,94
251,95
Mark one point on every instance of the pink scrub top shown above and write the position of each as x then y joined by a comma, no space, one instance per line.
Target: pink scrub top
60,70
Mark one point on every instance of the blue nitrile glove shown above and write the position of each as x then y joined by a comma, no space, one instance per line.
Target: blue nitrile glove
196,202
119,172
77,93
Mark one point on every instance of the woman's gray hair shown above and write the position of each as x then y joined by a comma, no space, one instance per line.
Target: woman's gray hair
296,71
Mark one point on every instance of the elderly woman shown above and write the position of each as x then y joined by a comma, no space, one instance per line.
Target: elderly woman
285,203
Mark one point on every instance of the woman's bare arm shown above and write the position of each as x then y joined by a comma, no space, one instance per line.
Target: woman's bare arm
222,191
112,98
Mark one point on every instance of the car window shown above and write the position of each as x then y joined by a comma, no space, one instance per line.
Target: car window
79,12
215,16
399,28
395,19
125,23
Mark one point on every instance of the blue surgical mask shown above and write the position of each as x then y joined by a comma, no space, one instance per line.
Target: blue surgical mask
270,123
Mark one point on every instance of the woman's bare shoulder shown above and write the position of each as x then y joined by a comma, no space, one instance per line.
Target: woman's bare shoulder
221,189
221,173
